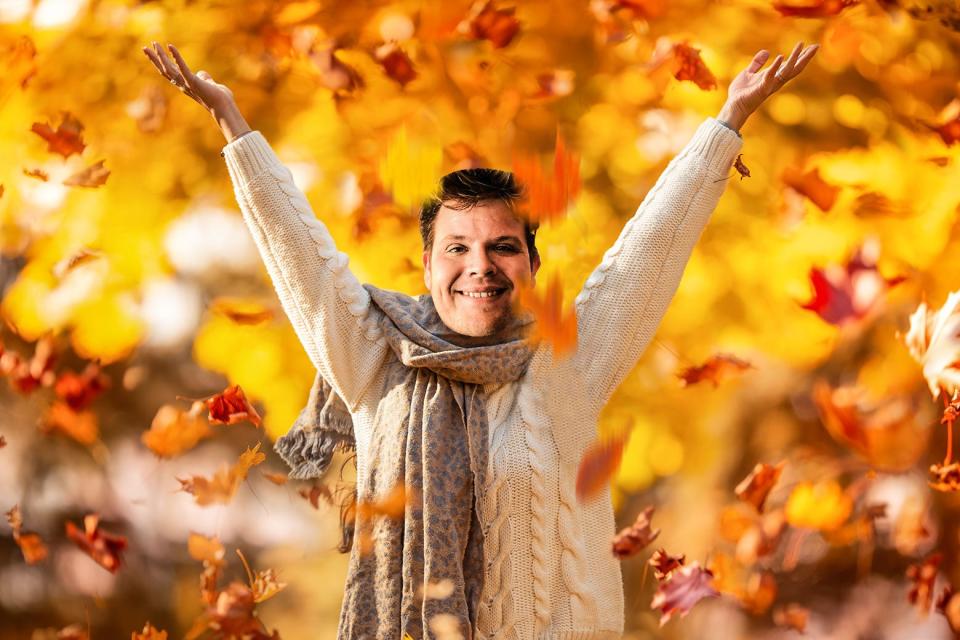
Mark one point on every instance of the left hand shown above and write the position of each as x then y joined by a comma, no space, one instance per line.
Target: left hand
751,86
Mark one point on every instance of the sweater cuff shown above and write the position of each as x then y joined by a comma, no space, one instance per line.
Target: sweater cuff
717,144
248,156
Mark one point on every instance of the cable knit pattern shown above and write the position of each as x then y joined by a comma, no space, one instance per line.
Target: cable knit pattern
549,571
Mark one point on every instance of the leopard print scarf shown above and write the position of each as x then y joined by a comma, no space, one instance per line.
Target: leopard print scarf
429,435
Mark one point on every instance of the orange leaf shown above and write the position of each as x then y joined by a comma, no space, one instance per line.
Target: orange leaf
791,616
689,66
631,540
174,431
39,174
717,367
223,485
31,545
600,461
547,197
277,478
82,426
105,548
553,322
922,577
66,140
149,633
813,8
314,493
812,186
242,311
758,483
231,406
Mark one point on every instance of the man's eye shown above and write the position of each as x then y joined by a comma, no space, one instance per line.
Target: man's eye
508,247
452,248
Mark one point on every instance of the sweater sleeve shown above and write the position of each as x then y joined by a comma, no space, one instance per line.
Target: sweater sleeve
625,297
329,309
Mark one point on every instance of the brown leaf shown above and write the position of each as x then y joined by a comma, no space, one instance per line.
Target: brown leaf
598,465
93,176
682,590
485,22
715,369
741,168
631,540
231,406
663,563
104,547
755,488
315,492
759,593
66,140
39,174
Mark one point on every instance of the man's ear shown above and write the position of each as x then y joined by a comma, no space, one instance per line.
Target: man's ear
427,275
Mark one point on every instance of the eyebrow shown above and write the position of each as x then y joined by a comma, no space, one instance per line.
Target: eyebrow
497,239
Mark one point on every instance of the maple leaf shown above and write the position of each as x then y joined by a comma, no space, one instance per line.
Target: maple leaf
546,198
31,545
598,464
684,588
396,63
93,176
554,323
631,540
174,431
932,340
486,22
689,66
104,547
149,633
922,577
717,367
755,488
813,8
66,140
791,616
231,406
82,426
822,505
223,485
741,168
663,563
246,312
851,293
79,390
887,434
812,186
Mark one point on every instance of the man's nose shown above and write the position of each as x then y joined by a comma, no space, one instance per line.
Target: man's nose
480,263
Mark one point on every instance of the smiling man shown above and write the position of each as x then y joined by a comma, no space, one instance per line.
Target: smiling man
443,398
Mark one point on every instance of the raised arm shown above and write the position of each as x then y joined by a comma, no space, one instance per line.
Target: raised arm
625,297
329,309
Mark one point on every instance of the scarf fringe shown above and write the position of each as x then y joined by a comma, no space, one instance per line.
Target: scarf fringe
309,453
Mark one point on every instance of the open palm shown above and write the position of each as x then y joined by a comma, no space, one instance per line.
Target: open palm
751,86
200,86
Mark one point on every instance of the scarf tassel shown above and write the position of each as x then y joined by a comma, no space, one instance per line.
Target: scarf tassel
309,453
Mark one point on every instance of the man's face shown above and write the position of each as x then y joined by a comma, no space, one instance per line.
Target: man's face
480,249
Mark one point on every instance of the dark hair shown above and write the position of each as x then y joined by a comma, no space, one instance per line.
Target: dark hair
467,187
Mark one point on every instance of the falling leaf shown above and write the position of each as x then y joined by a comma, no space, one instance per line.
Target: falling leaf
791,616
554,84
25,376
682,590
31,545
761,537
71,262
922,577
392,505
755,488
66,140
335,74
889,434
277,478
93,176
633,539
812,186
663,563
759,592
822,505
598,464
740,167
486,22
396,63
554,323
82,426
813,8
932,340
210,552
689,66
39,174
946,477
315,492
149,633
224,483
174,431
104,547
715,369
851,293
246,312
79,390
548,197
231,406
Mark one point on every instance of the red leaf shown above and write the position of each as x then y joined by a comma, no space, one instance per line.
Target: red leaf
231,406
664,564
484,22
682,590
631,540
758,483
689,66
396,63
105,548
79,390
814,9
66,140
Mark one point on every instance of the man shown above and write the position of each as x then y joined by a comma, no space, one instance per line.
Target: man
442,395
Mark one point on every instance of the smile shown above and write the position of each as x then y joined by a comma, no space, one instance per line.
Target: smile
481,295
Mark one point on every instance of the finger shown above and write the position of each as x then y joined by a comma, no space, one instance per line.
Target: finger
182,65
788,65
169,70
758,61
772,69
801,61
153,58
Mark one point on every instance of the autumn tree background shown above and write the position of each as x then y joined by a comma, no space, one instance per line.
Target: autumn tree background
786,344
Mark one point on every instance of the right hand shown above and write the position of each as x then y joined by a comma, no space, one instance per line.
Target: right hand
212,96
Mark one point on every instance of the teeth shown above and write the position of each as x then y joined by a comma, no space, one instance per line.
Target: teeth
484,294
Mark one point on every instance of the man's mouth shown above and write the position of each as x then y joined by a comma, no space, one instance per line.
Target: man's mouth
480,294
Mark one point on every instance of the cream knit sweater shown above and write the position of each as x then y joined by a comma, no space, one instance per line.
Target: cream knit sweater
550,571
